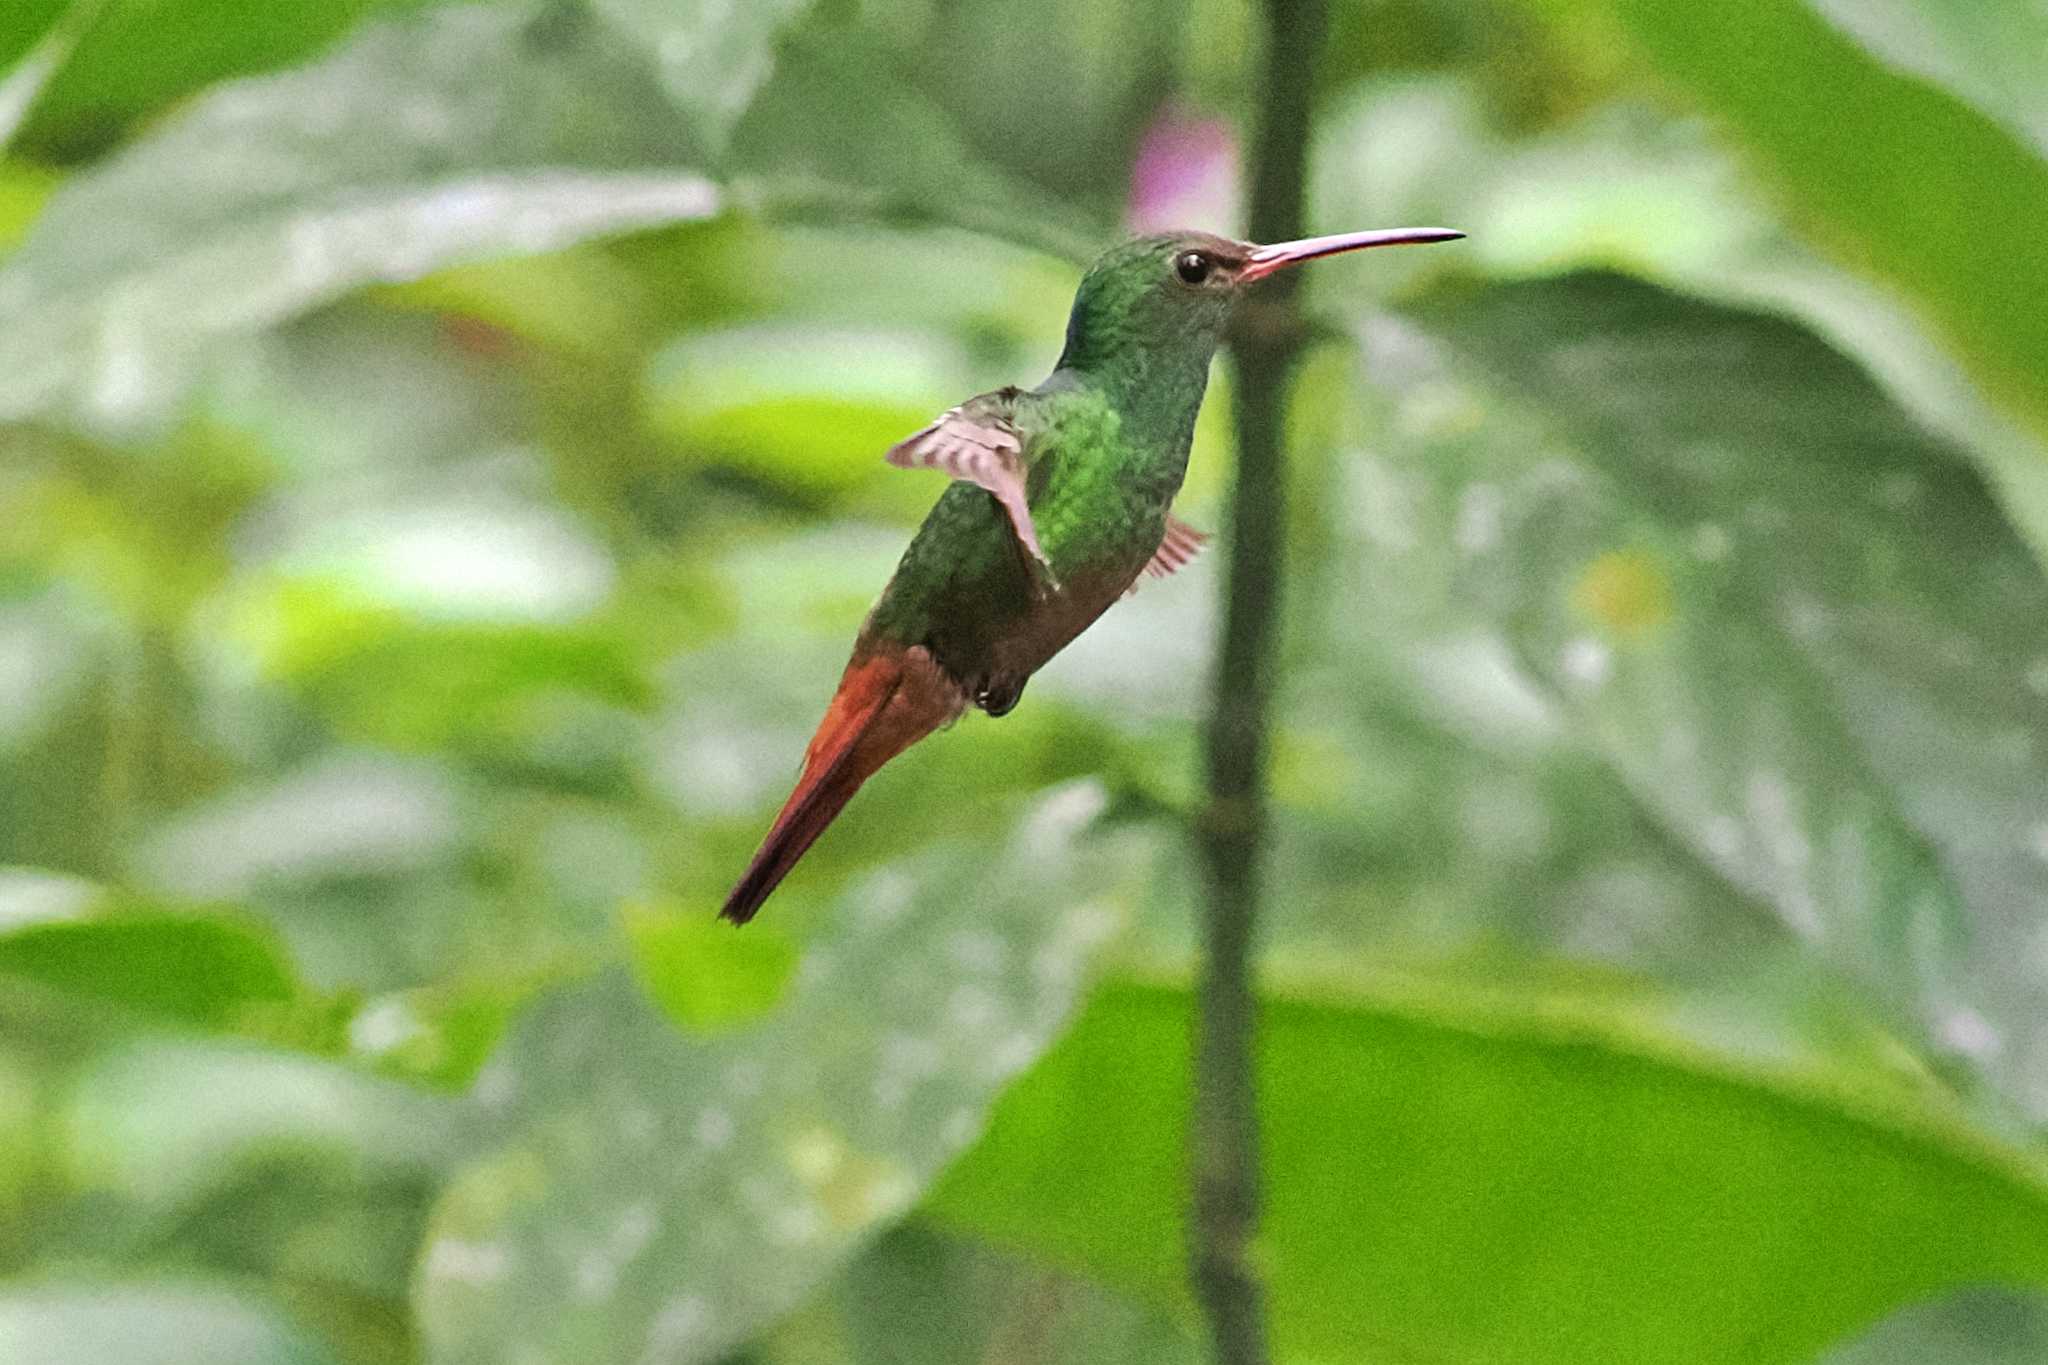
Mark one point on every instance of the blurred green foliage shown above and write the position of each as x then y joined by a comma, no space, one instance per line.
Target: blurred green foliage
439,481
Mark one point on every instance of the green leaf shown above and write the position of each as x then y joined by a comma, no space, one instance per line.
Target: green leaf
72,936
706,978
916,1297
359,390
1794,624
23,192
143,55
385,161
197,970
885,149
20,87
712,55
1629,186
1987,54
655,1195
460,619
1969,1327
166,1122
344,816
802,406
1074,135
1892,174
146,1322
1458,1176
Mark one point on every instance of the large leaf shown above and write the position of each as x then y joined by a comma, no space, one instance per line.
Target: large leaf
652,1195
1455,1174
1969,1327
712,55
1897,176
1988,54
886,148
383,162
165,1122
189,968
1631,187
1076,135
1794,624
134,57
801,405
346,816
21,87
148,1323
918,1297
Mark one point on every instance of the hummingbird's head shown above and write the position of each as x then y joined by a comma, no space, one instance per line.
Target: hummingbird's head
1174,290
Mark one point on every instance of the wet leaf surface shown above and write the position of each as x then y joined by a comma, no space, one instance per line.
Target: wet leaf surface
1791,622
657,1196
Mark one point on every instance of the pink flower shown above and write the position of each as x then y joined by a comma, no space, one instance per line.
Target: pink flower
1185,175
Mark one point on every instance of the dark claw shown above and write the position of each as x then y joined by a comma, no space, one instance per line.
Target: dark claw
999,696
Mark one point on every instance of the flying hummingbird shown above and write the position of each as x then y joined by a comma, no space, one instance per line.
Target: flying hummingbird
1060,501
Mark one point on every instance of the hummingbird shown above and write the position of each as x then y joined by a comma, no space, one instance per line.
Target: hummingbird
1060,501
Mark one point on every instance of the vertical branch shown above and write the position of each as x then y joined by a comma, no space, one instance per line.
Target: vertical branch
1232,828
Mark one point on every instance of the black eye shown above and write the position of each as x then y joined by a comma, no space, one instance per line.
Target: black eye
1193,266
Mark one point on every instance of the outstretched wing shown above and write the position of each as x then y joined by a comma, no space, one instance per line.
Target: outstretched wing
1180,544
978,443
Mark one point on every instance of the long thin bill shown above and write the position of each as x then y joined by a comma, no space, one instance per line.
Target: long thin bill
1267,259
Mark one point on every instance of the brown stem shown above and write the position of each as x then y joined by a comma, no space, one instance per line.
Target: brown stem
1232,828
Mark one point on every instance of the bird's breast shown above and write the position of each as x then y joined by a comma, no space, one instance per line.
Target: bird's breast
1051,623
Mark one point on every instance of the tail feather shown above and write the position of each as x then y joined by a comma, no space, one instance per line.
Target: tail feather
886,702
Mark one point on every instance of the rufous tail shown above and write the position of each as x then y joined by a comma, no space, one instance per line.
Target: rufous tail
886,702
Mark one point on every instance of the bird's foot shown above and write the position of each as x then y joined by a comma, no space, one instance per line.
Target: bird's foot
999,696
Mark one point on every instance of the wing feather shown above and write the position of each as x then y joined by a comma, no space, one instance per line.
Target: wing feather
1177,547
977,443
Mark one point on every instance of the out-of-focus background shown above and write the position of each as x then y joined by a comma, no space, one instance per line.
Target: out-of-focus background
440,480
